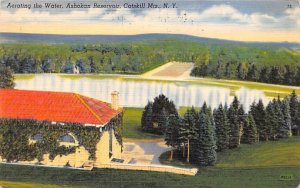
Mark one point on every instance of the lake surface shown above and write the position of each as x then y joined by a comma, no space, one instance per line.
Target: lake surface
136,93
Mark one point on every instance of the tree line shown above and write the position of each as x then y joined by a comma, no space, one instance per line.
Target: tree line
115,57
242,62
200,134
284,74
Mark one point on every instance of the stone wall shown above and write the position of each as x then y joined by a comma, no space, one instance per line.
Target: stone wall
81,155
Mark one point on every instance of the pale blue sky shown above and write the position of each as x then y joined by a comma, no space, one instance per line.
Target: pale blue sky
255,20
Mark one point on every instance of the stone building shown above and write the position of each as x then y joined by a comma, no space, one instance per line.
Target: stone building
58,128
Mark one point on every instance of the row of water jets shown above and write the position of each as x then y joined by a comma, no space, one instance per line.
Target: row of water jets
136,93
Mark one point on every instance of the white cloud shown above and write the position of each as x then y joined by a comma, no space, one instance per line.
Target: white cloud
219,17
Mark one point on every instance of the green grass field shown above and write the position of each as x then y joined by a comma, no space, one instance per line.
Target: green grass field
260,165
282,153
17,176
132,125
285,152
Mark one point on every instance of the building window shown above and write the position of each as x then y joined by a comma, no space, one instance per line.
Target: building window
68,140
37,138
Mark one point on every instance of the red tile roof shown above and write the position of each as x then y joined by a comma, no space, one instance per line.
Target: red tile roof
54,106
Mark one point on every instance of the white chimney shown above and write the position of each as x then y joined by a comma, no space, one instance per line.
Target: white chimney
115,100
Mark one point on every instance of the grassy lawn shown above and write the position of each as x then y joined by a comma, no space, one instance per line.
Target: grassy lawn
273,153
13,184
24,76
285,153
12,176
132,125
261,165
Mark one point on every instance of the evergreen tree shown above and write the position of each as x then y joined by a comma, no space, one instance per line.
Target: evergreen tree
171,135
222,128
234,124
6,78
259,115
252,73
279,118
297,77
162,121
241,121
268,129
295,112
263,76
161,102
250,131
206,147
92,65
146,123
26,65
81,66
46,65
188,131
285,129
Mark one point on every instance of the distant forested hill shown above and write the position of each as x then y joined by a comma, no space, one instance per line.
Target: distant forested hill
265,62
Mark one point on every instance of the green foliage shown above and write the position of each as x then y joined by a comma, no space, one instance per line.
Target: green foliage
132,125
117,125
206,143
155,114
188,131
6,78
162,120
250,131
234,123
286,127
295,111
171,135
146,121
222,128
259,114
161,103
15,135
113,57
280,66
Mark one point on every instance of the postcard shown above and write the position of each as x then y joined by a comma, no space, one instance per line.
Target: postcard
150,93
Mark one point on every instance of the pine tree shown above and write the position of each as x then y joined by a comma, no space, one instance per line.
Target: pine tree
295,111
286,130
161,102
234,124
92,65
188,131
250,131
171,135
241,120
6,78
206,147
222,128
259,115
162,121
146,123
268,129
279,118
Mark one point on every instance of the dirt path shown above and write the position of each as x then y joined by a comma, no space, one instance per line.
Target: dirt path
172,70
143,153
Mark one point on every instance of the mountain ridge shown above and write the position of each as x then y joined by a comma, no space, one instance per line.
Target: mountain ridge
6,37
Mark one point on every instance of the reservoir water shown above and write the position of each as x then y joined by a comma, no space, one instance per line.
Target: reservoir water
136,93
